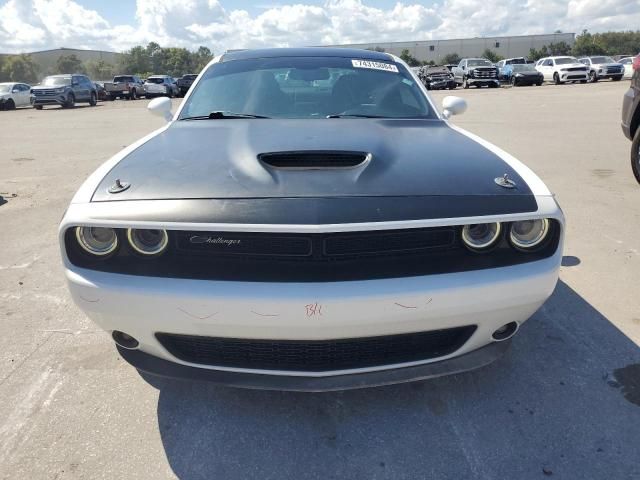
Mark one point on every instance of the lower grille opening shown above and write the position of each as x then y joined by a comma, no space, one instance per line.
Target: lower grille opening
315,355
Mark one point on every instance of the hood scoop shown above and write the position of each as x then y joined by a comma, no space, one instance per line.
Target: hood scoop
314,159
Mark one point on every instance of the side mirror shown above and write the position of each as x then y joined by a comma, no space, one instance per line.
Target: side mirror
15,90
161,107
452,106
463,67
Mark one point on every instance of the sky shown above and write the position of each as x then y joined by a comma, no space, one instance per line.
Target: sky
116,25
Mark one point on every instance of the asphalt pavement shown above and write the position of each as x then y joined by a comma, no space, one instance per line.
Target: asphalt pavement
564,402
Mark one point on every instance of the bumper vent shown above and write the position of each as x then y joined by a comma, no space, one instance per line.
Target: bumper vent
315,356
313,159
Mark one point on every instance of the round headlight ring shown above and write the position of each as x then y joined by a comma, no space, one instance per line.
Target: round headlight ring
99,241
538,233
481,236
148,241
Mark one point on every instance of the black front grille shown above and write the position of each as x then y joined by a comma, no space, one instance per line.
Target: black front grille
576,69
313,159
316,355
309,257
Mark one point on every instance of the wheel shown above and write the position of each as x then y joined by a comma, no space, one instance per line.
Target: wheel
452,87
556,78
133,95
616,79
71,101
9,105
635,155
593,78
465,82
38,107
513,82
539,84
93,101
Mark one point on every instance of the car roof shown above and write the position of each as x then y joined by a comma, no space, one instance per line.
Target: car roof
306,52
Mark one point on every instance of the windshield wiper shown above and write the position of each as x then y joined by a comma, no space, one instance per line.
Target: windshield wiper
222,115
354,115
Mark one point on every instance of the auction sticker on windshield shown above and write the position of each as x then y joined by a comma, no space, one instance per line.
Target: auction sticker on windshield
387,67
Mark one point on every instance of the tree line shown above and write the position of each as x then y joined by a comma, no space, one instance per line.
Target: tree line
141,61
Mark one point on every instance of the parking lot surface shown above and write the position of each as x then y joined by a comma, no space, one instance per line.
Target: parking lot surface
563,402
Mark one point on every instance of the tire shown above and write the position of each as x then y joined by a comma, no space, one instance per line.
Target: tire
539,84
616,79
635,155
583,81
465,83
38,107
513,82
9,105
93,101
452,87
133,94
593,78
556,79
71,101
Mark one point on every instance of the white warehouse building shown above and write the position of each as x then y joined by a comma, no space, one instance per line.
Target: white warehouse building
435,50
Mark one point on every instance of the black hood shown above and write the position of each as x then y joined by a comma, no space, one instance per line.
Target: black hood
219,159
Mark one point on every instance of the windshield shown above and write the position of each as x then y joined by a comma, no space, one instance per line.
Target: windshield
155,80
6,88
566,60
479,62
516,61
598,60
189,77
122,79
56,81
523,68
308,87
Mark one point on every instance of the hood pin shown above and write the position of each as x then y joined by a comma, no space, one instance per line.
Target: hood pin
505,181
118,186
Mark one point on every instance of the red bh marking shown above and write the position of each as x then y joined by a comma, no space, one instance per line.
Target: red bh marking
313,309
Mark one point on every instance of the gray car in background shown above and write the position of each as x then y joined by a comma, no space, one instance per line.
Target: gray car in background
65,90
601,67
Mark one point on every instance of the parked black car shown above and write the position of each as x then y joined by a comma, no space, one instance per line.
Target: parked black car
631,117
65,90
521,74
437,78
185,82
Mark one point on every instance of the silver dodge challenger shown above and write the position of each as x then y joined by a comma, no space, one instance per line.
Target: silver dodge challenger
309,220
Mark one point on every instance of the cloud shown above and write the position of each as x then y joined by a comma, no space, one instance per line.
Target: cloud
27,25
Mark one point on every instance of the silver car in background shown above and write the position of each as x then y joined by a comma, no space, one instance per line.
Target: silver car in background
601,67
160,86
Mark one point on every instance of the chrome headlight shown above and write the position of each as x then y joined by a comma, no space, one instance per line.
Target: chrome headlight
148,241
528,234
97,240
481,236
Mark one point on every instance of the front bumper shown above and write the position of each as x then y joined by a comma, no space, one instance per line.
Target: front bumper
143,306
483,81
630,102
163,368
442,84
49,100
573,76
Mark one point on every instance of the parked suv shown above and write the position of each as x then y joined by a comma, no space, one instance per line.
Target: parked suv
476,71
631,117
562,70
185,82
603,67
124,86
160,85
65,90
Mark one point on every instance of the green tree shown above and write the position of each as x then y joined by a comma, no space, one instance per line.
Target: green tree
491,55
100,70
69,64
135,61
20,68
176,61
410,59
200,58
451,58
